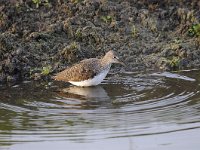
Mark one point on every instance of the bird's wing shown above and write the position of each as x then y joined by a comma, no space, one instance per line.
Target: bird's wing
85,70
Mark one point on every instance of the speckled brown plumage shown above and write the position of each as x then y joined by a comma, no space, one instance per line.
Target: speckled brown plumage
87,68
84,70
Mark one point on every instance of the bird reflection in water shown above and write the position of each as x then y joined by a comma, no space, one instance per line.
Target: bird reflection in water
89,97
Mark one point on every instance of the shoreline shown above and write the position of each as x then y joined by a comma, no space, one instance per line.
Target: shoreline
37,40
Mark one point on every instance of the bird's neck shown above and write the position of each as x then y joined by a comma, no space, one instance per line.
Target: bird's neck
105,64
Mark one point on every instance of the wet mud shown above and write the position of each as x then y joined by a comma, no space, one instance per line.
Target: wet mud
41,37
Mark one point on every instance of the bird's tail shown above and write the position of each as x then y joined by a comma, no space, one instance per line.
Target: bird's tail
54,77
58,78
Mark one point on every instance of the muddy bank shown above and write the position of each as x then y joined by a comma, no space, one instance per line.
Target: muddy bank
39,38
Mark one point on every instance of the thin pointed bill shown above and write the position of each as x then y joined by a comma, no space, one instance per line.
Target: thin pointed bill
123,64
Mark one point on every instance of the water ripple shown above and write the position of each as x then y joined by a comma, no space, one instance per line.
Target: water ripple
124,105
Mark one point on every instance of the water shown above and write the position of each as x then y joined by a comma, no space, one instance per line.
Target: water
129,111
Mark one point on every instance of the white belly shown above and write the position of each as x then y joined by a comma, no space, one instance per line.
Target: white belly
91,82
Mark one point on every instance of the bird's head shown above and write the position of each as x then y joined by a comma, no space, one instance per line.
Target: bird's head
111,57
